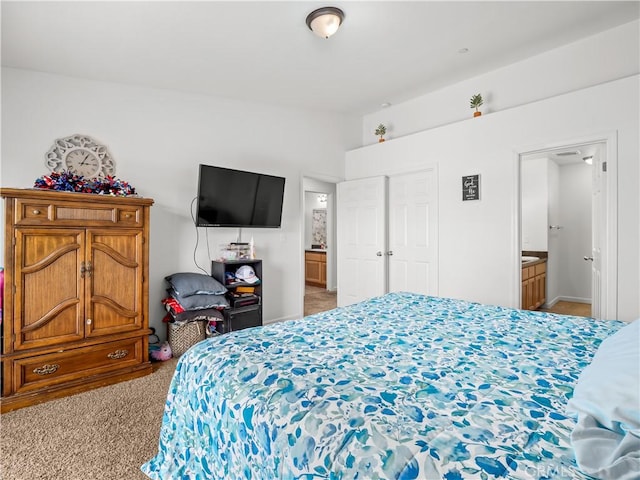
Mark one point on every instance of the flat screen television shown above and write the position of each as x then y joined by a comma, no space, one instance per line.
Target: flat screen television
236,198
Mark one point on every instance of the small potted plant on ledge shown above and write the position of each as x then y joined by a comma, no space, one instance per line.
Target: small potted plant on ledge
476,102
380,131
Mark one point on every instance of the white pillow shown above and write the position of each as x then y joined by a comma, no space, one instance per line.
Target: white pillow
608,389
606,404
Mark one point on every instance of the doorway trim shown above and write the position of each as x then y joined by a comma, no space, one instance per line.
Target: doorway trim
331,253
608,228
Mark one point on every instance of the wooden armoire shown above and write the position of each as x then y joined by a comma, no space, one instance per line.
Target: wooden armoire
75,313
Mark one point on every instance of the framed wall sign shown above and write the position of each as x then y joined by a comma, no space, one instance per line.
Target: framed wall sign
471,187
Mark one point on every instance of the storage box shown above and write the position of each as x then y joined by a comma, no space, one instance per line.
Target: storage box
239,318
235,251
183,337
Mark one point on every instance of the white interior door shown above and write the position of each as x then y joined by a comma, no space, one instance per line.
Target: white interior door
362,240
598,214
413,233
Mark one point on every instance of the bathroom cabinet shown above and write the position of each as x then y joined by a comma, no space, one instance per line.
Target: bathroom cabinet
534,285
315,267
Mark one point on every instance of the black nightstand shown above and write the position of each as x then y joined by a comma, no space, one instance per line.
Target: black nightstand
244,311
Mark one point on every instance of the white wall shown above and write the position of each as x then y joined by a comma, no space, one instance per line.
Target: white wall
609,55
158,138
489,146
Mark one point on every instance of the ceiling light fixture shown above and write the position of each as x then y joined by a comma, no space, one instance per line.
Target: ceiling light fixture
325,21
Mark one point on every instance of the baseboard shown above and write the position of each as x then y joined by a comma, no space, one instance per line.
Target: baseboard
575,299
281,319
561,298
551,303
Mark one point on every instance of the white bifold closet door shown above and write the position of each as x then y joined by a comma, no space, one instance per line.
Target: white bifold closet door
387,236
362,239
413,233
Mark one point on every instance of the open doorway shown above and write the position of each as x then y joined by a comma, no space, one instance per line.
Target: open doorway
319,245
566,196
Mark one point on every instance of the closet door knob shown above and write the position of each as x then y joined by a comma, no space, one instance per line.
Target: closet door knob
378,254
589,259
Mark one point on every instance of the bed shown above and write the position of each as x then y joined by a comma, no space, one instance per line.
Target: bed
402,386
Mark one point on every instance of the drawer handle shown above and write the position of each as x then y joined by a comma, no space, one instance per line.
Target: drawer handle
127,215
36,212
118,354
46,369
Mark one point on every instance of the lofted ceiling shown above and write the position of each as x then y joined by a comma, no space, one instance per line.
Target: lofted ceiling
262,51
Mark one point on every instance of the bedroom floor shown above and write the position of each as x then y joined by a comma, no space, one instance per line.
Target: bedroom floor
570,308
318,299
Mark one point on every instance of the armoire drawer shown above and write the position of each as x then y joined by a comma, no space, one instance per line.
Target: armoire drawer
34,212
33,373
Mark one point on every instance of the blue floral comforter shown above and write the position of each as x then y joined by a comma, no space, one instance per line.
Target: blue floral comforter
402,386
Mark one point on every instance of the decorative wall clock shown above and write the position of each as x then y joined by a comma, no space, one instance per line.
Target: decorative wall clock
80,155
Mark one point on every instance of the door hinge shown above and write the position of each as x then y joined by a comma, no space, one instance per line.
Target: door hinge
604,166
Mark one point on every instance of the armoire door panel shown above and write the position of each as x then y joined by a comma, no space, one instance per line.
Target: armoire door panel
48,303
115,296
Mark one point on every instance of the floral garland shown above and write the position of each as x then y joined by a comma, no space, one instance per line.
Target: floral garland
69,182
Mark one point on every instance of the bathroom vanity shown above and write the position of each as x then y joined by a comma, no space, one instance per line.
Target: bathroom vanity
315,267
534,280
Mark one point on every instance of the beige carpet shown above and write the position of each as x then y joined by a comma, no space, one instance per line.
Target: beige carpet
103,434
318,299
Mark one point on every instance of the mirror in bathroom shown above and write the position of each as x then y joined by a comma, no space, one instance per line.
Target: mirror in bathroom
319,226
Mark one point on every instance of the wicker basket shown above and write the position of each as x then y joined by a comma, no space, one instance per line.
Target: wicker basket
182,337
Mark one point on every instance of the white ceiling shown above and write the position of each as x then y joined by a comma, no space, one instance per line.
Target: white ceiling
263,51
